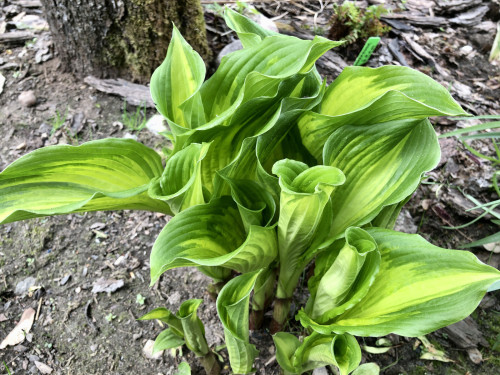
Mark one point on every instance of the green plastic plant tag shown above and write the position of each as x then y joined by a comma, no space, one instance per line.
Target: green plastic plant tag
367,50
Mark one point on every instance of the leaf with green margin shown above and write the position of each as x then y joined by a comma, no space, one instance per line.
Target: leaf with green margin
277,57
302,225
343,277
419,288
389,93
370,368
180,184
167,339
383,165
253,117
109,174
212,234
232,306
317,351
194,331
267,148
255,204
178,79
167,317
249,32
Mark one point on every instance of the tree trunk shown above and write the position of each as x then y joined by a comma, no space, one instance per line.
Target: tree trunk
121,38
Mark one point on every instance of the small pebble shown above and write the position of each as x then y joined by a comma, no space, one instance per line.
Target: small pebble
27,98
65,279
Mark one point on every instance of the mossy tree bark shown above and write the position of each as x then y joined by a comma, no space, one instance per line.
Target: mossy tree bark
121,38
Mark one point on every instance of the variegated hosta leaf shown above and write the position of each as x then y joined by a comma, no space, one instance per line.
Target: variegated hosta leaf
253,117
212,234
316,351
278,57
194,332
389,93
302,226
180,184
383,165
232,306
418,289
167,339
343,275
177,79
110,174
249,32
256,205
258,153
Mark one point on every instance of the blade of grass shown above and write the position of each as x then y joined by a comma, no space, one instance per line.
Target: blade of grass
475,128
483,241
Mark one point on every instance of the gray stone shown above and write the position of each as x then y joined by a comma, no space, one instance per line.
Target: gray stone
23,286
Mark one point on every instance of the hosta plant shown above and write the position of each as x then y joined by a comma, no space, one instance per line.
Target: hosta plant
271,170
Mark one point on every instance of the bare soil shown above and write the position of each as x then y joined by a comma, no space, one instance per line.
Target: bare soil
77,331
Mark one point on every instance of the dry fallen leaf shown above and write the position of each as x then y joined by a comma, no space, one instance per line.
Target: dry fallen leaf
43,368
107,285
17,335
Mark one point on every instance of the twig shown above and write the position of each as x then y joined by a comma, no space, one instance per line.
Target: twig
38,309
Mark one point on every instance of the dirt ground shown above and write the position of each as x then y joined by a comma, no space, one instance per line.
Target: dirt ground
53,264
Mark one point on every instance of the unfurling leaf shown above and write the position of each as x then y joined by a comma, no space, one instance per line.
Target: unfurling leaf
232,306
343,275
305,216
212,235
418,289
316,351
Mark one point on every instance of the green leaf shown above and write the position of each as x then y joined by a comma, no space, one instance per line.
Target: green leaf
259,151
178,79
419,288
383,165
483,241
165,316
278,57
389,93
255,204
194,331
249,32
286,346
167,339
183,369
180,184
212,234
110,174
264,289
317,351
263,107
232,306
302,227
343,275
